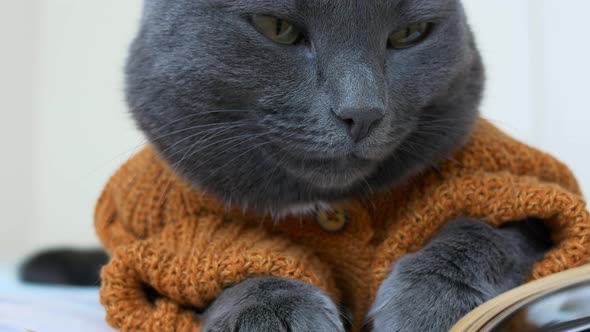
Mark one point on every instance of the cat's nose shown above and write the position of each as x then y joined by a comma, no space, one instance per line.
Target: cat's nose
360,121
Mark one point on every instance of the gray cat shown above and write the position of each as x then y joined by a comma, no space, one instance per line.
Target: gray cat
284,105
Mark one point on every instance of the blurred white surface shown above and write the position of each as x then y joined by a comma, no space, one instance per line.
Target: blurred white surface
48,309
64,127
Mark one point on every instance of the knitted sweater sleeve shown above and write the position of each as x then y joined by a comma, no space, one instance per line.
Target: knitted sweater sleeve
164,271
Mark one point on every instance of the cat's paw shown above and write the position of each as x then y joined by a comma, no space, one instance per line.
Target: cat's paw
468,263
409,301
272,305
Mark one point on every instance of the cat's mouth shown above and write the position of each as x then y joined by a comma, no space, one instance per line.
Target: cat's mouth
328,173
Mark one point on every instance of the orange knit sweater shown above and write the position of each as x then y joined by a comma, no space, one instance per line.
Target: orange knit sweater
164,235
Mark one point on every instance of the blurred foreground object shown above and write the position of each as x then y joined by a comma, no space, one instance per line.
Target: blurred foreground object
557,303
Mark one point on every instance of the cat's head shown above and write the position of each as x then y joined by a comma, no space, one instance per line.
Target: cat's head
279,104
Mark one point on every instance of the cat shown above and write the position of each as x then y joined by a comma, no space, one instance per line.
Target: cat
282,106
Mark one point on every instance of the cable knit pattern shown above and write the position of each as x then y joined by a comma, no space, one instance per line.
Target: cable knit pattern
168,238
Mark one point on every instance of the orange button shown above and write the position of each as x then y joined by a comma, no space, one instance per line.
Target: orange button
332,221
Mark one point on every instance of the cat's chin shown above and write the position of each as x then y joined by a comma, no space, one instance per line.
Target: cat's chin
332,173
335,174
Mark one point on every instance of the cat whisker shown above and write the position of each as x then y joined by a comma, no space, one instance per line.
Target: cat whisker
190,116
190,153
410,149
210,133
132,150
239,156
187,155
436,126
217,124
228,141
371,191
453,119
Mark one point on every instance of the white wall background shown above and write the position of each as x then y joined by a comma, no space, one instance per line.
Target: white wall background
64,127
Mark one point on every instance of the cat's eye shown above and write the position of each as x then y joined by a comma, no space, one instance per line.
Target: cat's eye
277,29
410,36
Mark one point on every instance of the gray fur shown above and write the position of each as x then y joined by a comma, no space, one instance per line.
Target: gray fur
468,263
255,124
273,305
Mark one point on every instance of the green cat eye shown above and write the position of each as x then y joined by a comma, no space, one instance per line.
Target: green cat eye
410,36
277,30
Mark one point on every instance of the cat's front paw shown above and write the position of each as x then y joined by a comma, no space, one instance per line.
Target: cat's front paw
272,305
409,301
468,263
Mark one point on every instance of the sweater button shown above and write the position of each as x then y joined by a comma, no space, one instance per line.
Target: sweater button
332,221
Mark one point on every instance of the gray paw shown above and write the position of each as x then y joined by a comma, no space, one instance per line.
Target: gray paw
465,265
273,305
410,302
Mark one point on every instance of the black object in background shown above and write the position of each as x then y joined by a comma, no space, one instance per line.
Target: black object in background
64,266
